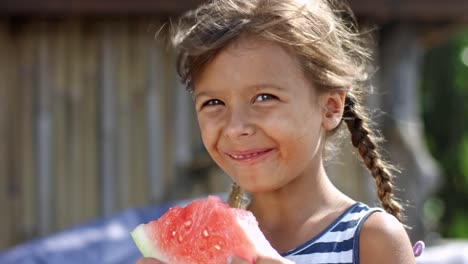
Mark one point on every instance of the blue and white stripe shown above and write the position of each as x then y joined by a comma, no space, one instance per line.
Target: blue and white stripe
338,243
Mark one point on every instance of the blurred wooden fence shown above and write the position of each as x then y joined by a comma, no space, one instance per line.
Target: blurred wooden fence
92,120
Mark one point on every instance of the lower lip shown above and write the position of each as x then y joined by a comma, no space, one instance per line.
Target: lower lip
252,159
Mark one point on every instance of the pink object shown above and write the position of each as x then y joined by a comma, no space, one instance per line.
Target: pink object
418,248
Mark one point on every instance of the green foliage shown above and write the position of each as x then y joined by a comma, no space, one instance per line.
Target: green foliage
445,114
459,226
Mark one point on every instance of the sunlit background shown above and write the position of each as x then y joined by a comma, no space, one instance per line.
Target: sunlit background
97,134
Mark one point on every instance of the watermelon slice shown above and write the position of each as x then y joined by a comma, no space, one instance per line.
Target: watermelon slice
205,231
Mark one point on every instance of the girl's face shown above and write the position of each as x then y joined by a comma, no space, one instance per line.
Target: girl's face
260,119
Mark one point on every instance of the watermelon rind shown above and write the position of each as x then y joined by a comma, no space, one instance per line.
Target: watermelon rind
144,244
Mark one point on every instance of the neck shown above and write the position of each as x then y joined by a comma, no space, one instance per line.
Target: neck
304,193
304,202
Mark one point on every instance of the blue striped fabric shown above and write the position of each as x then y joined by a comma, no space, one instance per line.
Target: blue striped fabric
338,243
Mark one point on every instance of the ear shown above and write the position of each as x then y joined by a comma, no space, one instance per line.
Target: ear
332,108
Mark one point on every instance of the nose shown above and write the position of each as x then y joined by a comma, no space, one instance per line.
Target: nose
239,124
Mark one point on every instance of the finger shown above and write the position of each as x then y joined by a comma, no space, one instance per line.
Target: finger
149,261
236,260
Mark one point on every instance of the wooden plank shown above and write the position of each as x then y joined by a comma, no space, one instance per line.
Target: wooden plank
427,10
89,154
44,135
59,85
182,108
66,7
27,84
107,138
15,142
137,67
168,95
125,114
75,99
5,92
157,136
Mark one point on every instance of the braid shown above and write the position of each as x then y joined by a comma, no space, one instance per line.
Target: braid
363,139
236,196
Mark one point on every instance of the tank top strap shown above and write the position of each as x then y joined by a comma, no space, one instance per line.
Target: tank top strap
358,231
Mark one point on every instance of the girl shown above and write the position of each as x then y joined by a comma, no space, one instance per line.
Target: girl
272,80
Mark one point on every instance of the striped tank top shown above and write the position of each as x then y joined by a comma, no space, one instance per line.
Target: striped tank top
338,243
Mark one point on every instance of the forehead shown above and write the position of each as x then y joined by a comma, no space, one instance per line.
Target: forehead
249,60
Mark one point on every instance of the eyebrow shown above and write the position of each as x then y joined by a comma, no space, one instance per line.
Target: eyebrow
257,87
266,85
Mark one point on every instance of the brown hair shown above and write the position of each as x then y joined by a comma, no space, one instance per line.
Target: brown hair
323,36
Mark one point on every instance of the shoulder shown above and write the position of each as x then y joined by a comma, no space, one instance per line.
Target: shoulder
383,239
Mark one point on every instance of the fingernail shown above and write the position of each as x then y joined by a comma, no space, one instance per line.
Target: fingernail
418,248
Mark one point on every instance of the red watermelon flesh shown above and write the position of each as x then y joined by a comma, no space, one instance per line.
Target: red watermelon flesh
205,231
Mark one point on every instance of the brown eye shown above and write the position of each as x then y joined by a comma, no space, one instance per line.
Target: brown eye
212,102
264,97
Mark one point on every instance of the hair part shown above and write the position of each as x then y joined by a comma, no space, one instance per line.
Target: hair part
324,37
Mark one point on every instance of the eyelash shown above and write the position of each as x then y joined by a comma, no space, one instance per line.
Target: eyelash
214,102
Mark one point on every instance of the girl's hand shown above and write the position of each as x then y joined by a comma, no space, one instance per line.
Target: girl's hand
259,260
149,261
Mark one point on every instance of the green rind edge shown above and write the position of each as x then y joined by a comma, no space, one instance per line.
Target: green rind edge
142,241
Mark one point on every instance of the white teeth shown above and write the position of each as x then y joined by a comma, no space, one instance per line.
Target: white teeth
245,156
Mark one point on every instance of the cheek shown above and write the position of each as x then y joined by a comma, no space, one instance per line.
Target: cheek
302,133
209,132
295,124
210,136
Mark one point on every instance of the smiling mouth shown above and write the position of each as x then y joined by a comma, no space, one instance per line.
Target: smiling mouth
248,155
